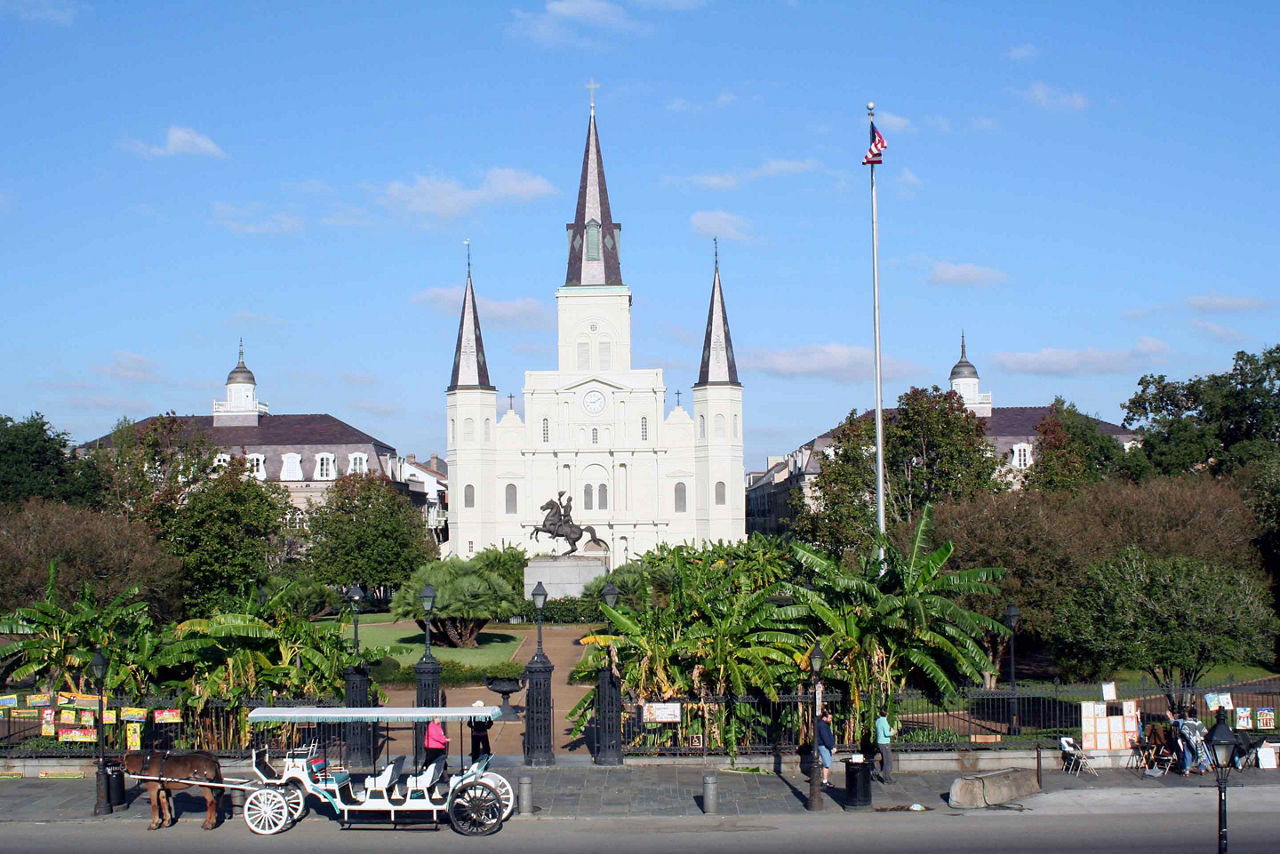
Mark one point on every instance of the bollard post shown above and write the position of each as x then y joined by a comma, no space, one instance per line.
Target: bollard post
526,796
710,805
1039,782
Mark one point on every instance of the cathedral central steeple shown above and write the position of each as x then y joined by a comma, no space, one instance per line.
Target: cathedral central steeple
593,235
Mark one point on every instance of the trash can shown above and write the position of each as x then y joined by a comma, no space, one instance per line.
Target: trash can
115,786
857,784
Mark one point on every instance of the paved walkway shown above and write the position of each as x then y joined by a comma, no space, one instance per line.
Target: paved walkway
586,792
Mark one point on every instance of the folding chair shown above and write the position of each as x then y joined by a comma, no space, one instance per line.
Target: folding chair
1076,759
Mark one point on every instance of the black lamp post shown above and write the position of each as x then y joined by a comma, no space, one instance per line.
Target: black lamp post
426,672
98,667
537,718
816,660
1011,617
357,685
1222,743
609,699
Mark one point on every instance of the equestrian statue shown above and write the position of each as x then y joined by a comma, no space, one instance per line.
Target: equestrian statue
559,524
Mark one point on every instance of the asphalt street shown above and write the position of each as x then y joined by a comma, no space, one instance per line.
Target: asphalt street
1082,821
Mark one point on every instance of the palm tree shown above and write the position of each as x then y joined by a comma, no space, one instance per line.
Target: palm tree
468,595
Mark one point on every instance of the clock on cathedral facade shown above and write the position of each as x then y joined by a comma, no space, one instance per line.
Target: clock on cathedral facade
596,429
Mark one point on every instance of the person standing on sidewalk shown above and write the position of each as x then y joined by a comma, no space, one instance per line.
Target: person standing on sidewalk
884,736
826,745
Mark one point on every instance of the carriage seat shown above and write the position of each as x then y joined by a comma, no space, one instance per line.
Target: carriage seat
318,768
388,776
429,777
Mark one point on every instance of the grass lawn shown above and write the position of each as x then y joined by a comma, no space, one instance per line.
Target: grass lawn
1129,682
495,646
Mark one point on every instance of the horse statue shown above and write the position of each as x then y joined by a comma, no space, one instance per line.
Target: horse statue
173,767
558,523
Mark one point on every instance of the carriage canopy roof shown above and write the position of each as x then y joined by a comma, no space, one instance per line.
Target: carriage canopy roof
372,714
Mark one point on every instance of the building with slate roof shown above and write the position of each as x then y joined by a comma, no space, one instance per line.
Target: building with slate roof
596,432
1011,430
303,453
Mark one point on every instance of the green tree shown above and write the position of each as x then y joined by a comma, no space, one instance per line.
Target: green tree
150,469
934,449
105,551
1219,421
1173,618
1072,451
365,532
37,461
224,533
468,595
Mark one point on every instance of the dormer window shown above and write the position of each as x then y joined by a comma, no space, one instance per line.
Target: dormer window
593,241
325,469
357,463
221,460
256,465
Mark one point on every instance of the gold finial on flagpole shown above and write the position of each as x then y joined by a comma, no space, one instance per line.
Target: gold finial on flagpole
871,108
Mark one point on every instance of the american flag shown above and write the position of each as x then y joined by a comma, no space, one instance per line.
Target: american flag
877,145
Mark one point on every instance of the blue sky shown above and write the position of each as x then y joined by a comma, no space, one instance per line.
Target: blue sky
1088,190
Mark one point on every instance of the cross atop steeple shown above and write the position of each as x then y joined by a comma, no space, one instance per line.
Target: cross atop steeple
718,365
593,234
511,402
677,398
467,243
715,241
242,349
592,87
470,370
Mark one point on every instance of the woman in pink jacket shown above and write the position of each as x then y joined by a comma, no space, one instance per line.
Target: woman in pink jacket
435,743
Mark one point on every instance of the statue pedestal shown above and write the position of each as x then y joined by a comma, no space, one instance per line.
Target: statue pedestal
563,576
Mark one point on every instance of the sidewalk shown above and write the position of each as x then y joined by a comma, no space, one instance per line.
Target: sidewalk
581,791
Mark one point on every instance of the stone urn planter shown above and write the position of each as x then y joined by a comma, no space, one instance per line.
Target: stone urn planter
505,686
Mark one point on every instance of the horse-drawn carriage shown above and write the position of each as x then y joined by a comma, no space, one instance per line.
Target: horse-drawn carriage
474,801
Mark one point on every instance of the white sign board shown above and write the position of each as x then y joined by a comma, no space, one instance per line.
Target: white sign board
1108,690
662,713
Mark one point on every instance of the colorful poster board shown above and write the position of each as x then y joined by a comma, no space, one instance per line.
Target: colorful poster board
1267,717
8,701
24,714
1244,717
662,713
1100,731
77,701
168,716
1213,701
133,735
67,716
78,734
40,700
132,713
86,718
47,727
108,716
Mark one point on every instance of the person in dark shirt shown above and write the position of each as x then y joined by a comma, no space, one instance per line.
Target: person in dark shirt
826,744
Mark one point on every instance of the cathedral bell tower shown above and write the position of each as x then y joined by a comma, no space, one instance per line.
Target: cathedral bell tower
717,416
471,410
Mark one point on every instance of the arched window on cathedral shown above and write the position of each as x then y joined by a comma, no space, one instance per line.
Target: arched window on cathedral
644,429
605,353
720,492
488,427
468,429
584,355
511,499
602,497
587,495
595,436
702,426
680,499
468,496
593,241
546,431
719,426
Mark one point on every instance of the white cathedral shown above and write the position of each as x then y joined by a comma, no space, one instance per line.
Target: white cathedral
596,432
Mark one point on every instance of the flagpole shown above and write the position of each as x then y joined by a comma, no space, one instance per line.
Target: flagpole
875,289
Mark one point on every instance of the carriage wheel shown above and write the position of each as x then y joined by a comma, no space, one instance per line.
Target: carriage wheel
296,799
266,811
504,790
476,809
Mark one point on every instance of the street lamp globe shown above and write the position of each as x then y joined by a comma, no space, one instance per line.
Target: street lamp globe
355,594
1222,744
610,594
98,667
816,659
539,596
1011,616
428,598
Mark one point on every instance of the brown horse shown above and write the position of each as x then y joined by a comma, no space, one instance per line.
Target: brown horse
173,767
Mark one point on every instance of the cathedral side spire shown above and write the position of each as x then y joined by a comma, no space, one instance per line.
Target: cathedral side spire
593,235
718,365
470,370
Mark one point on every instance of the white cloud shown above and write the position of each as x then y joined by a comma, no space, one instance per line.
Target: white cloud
734,180
131,367
892,122
1047,97
357,378
248,219
1022,52
348,215
109,404
1055,362
523,313
445,198
965,275
562,22
60,12
1225,334
720,224
910,178
1224,302
179,140
839,362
